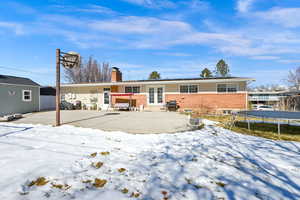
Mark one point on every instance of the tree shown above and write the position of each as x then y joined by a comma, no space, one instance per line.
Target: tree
206,73
222,69
268,88
293,78
89,72
154,75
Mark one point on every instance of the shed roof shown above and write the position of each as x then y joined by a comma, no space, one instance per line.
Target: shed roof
5,79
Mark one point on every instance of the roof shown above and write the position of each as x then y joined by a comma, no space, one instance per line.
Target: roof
5,79
183,79
267,92
48,91
163,81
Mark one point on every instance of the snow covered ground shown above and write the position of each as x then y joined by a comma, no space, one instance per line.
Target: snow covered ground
43,162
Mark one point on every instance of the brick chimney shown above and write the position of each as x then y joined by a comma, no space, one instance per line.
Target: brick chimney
116,75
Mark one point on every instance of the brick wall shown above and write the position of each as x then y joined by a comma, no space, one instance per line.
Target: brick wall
209,102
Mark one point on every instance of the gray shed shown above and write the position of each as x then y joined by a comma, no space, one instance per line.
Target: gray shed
18,95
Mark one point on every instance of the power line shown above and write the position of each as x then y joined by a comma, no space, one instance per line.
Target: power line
20,70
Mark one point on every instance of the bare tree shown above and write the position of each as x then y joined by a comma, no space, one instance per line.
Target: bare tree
268,88
89,72
74,75
290,103
294,78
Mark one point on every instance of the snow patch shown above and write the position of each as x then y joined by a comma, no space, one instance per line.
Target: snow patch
210,163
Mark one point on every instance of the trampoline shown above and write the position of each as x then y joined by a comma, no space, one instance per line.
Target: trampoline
277,116
272,114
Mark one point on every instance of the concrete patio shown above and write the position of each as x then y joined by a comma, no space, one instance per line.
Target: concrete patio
130,122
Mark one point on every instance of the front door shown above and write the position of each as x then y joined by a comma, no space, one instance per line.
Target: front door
106,98
155,95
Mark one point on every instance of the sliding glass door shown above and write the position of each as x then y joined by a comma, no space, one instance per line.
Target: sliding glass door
155,95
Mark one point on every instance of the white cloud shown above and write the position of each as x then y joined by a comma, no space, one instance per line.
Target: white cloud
287,17
139,25
195,5
191,5
92,8
153,3
133,32
12,26
244,5
290,61
265,57
176,54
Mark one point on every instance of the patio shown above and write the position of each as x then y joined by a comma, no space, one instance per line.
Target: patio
130,122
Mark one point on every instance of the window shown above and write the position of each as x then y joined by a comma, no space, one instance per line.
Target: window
130,89
184,89
151,95
160,95
227,88
188,88
231,88
222,87
193,88
26,95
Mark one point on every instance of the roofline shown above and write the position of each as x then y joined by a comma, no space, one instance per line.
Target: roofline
20,85
158,82
268,92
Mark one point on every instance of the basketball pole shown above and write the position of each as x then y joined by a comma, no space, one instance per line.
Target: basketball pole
57,87
70,61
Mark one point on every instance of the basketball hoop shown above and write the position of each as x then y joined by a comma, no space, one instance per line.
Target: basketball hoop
68,60
71,60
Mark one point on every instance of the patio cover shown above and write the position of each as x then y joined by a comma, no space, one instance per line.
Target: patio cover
121,94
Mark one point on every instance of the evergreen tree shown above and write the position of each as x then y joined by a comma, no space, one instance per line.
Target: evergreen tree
154,75
206,73
222,69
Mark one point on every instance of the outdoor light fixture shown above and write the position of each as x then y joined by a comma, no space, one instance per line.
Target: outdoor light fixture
69,60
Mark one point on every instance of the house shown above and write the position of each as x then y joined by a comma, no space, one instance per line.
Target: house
18,95
271,98
205,94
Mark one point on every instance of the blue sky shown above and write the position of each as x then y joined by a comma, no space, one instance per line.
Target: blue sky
257,38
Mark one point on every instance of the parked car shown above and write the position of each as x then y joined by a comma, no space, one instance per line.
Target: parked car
265,107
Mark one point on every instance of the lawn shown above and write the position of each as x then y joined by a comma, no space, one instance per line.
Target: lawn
43,162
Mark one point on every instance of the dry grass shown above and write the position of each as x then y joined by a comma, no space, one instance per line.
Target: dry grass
106,153
97,165
61,186
266,130
41,181
99,183
93,154
122,170
125,191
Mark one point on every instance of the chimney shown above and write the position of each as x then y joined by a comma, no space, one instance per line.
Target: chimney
116,75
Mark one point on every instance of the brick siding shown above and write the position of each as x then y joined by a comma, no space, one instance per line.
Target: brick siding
209,102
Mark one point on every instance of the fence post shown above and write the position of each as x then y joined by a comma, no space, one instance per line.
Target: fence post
248,124
278,127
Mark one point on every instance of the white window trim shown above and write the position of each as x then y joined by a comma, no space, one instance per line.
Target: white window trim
237,87
132,88
155,95
198,88
30,95
109,98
